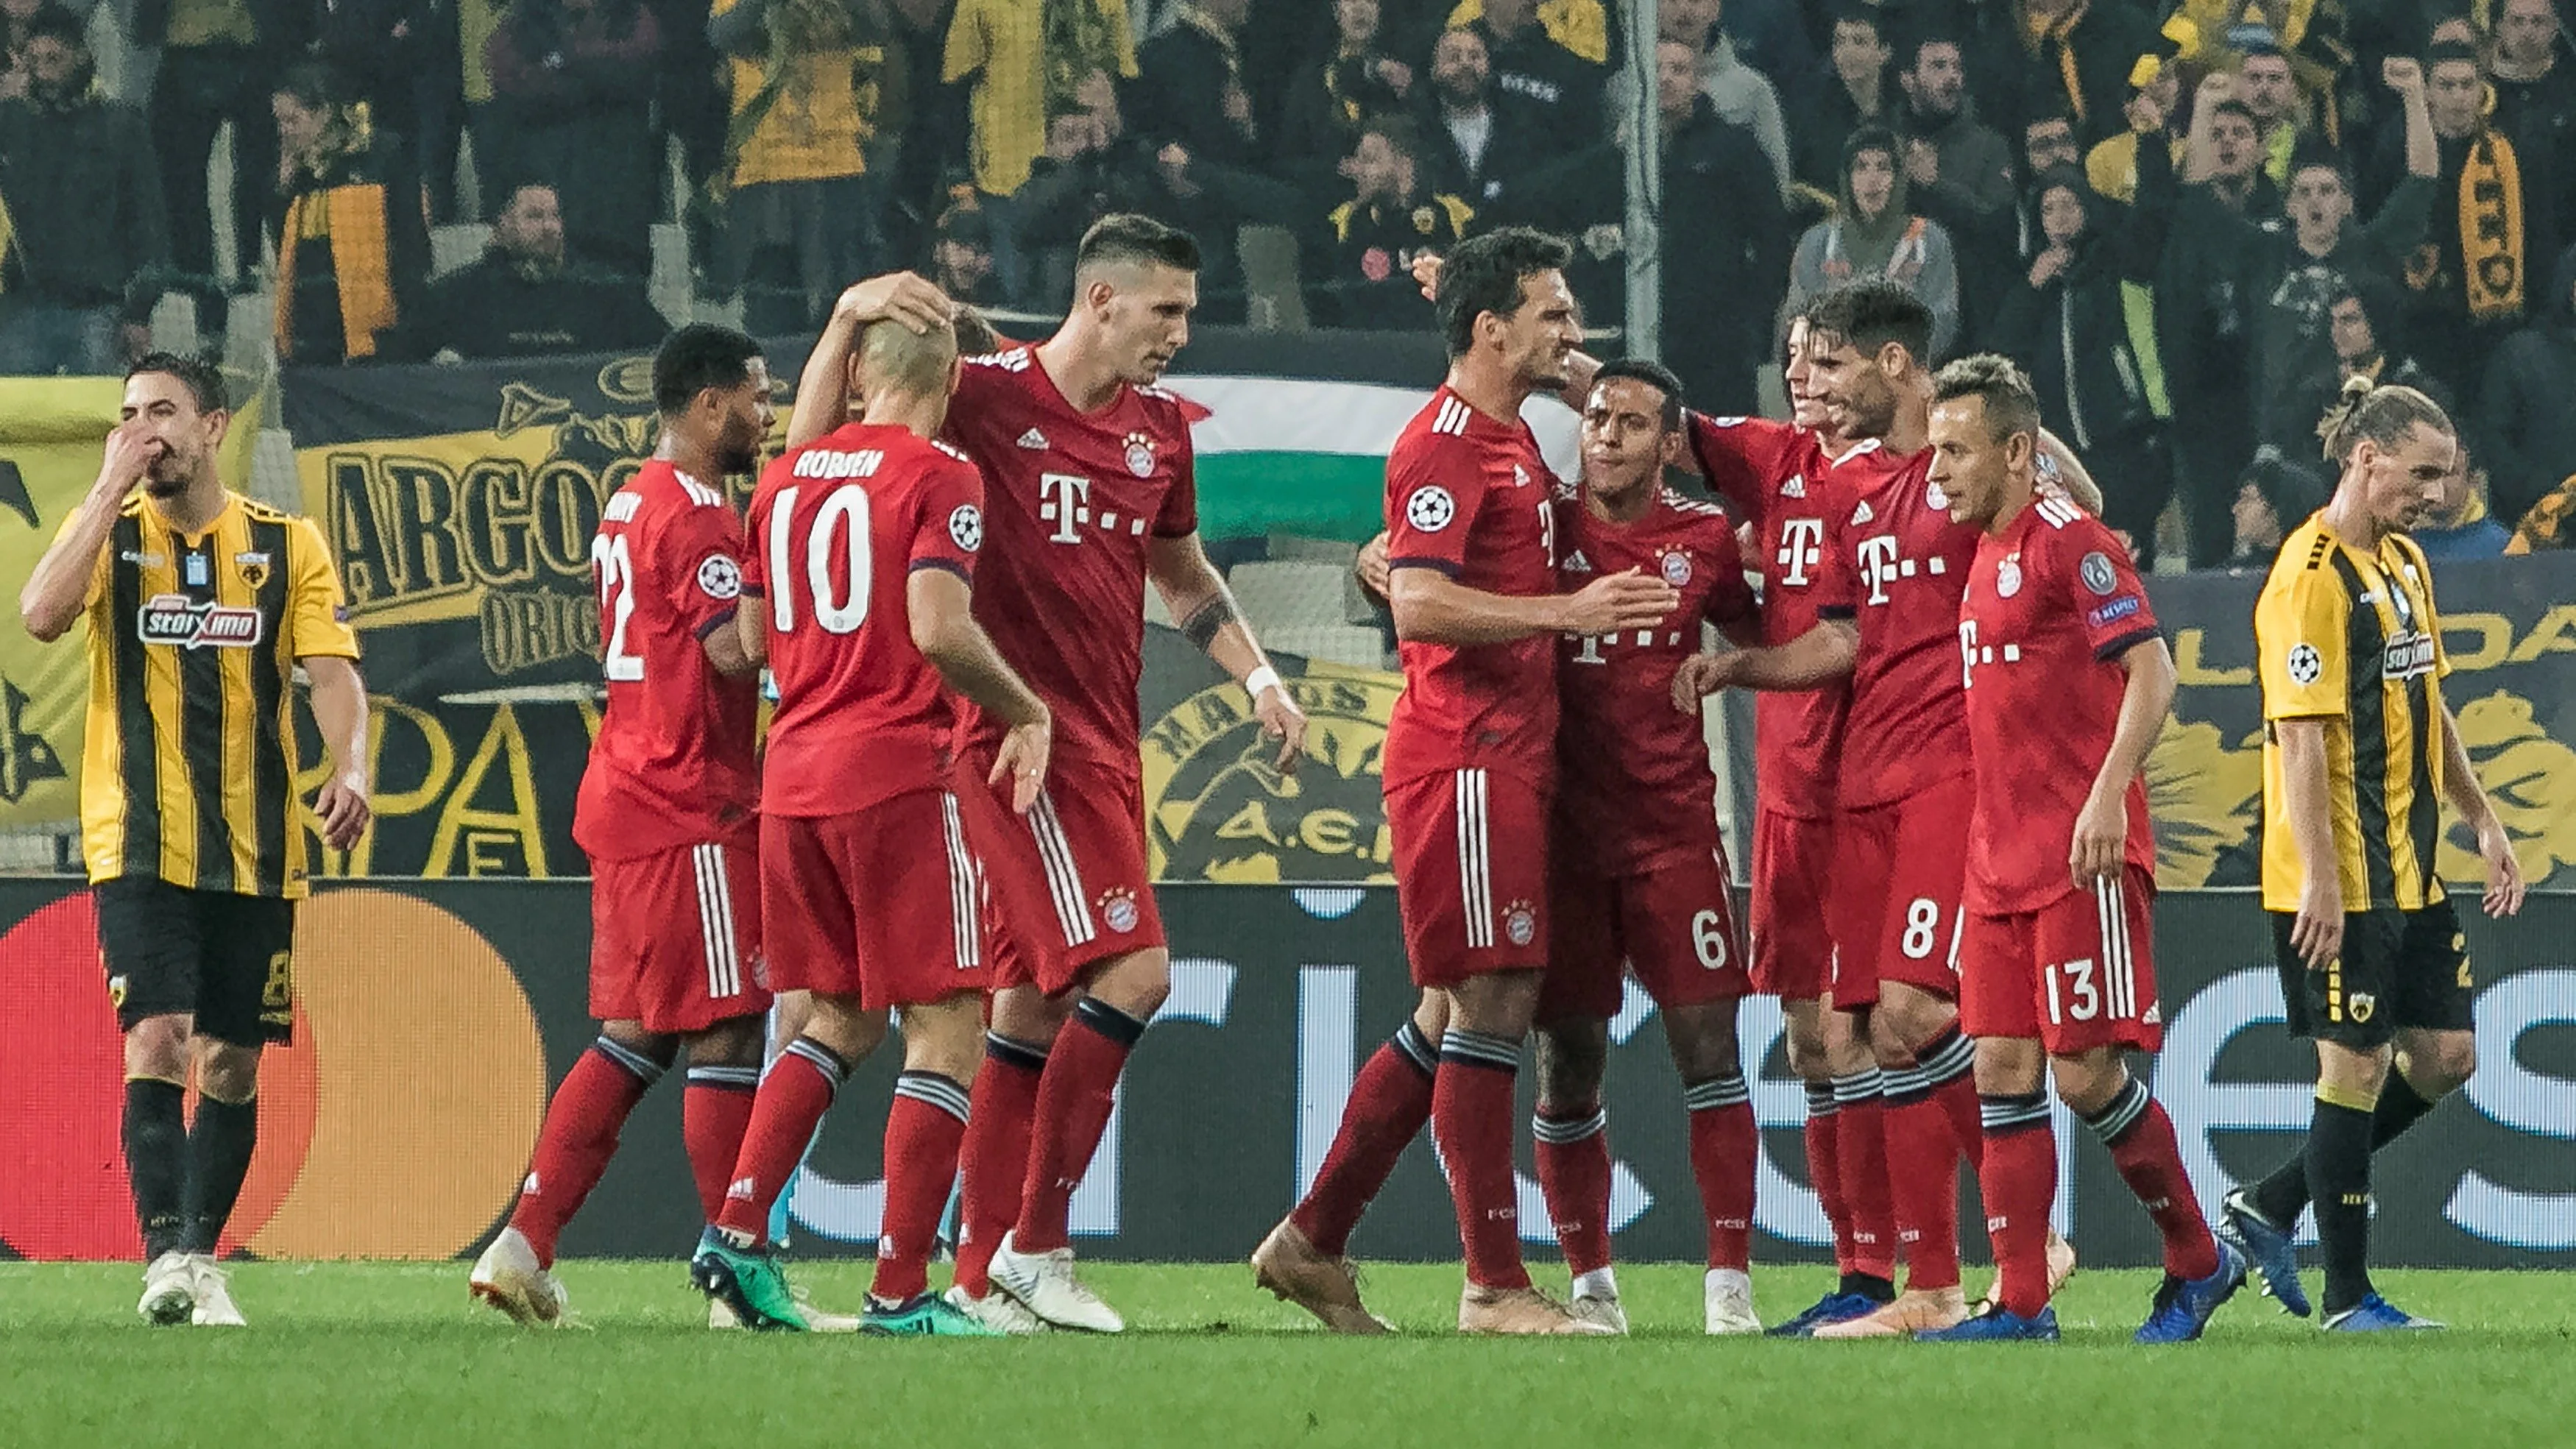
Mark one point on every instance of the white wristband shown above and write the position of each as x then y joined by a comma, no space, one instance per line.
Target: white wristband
1260,680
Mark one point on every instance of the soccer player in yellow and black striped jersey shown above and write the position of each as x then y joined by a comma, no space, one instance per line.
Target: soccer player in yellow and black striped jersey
201,605
2358,752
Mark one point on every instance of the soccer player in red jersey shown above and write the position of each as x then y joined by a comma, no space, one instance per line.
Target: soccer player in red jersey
667,816
2067,684
1470,770
864,548
1639,875
1090,496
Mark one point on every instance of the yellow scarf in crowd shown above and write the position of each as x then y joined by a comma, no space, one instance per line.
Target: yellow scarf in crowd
2491,228
2041,32
2545,526
352,220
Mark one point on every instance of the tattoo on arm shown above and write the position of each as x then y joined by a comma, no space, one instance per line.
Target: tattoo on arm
1210,618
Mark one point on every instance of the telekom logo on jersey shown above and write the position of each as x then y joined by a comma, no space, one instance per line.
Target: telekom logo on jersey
1802,547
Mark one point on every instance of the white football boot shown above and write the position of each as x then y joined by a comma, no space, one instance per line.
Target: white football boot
169,1289
509,1278
214,1307
997,1311
1728,1293
1045,1285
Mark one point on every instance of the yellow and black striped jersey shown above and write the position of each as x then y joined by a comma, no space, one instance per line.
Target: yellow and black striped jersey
188,768
2351,638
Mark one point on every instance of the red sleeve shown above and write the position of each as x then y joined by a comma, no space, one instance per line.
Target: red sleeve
1836,590
1179,517
949,531
1742,458
1730,598
699,565
2101,582
1433,489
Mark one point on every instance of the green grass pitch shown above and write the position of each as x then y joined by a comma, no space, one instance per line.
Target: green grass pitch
379,1354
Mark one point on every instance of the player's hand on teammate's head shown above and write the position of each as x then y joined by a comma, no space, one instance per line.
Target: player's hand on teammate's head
1282,721
1426,274
344,811
904,297
1615,603
1022,760
1700,676
2504,872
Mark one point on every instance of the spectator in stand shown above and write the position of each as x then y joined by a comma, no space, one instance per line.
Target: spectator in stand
1741,95
2085,51
526,298
689,106
1024,78
2462,526
1851,92
2534,76
2154,114
353,246
2358,352
2527,411
2470,282
801,218
1874,234
1190,86
961,257
83,237
2274,496
1332,99
1958,168
391,55
569,95
2067,323
220,60
1770,37
1477,141
1359,264
2047,145
1557,63
2264,83
2206,283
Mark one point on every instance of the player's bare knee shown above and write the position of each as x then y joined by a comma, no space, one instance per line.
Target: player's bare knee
2353,1071
1891,1047
2088,1081
1026,1014
659,1048
2009,1067
1136,983
945,1037
1431,1014
1702,1040
157,1049
1803,1034
1499,1003
227,1071
788,1014
845,1027
734,1043
2437,1063
1572,1055
1909,1017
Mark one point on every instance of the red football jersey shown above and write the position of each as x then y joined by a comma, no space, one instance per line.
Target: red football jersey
674,762
1470,496
837,528
2051,606
1781,478
1895,561
1071,501
1636,787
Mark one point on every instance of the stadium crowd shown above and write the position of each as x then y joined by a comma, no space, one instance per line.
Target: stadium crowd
2190,219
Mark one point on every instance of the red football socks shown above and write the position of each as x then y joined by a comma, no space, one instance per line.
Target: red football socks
578,1138
1861,1143
922,1135
1923,1183
1574,1173
715,1111
994,1161
1075,1098
1825,1170
2017,1176
1390,1103
2141,1138
793,1098
1471,1115
1723,1153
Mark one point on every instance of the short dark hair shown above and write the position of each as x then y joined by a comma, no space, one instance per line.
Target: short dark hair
1870,314
1397,131
1871,137
1915,47
204,380
1653,374
2012,404
2056,114
60,24
2453,50
312,85
1857,13
1485,274
975,334
1123,236
2237,108
697,357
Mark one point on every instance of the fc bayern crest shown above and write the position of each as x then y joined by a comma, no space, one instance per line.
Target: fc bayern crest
1520,923
1935,499
1118,908
1677,568
2008,577
1140,455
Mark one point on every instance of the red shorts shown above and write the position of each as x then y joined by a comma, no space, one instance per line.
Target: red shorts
1069,882
879,904
1793,868
1470,873
675,938
2075,975
1899,872
1672,927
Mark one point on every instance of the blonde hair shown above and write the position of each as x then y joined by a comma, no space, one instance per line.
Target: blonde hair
2366,412
906,361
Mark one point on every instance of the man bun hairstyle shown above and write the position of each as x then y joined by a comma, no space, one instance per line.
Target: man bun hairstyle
2012,404
1653,374
1123,237
2381,416
199,374
1485,274
699,356
1870,314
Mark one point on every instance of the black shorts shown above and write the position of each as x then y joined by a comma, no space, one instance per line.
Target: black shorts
225,959
2398,969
